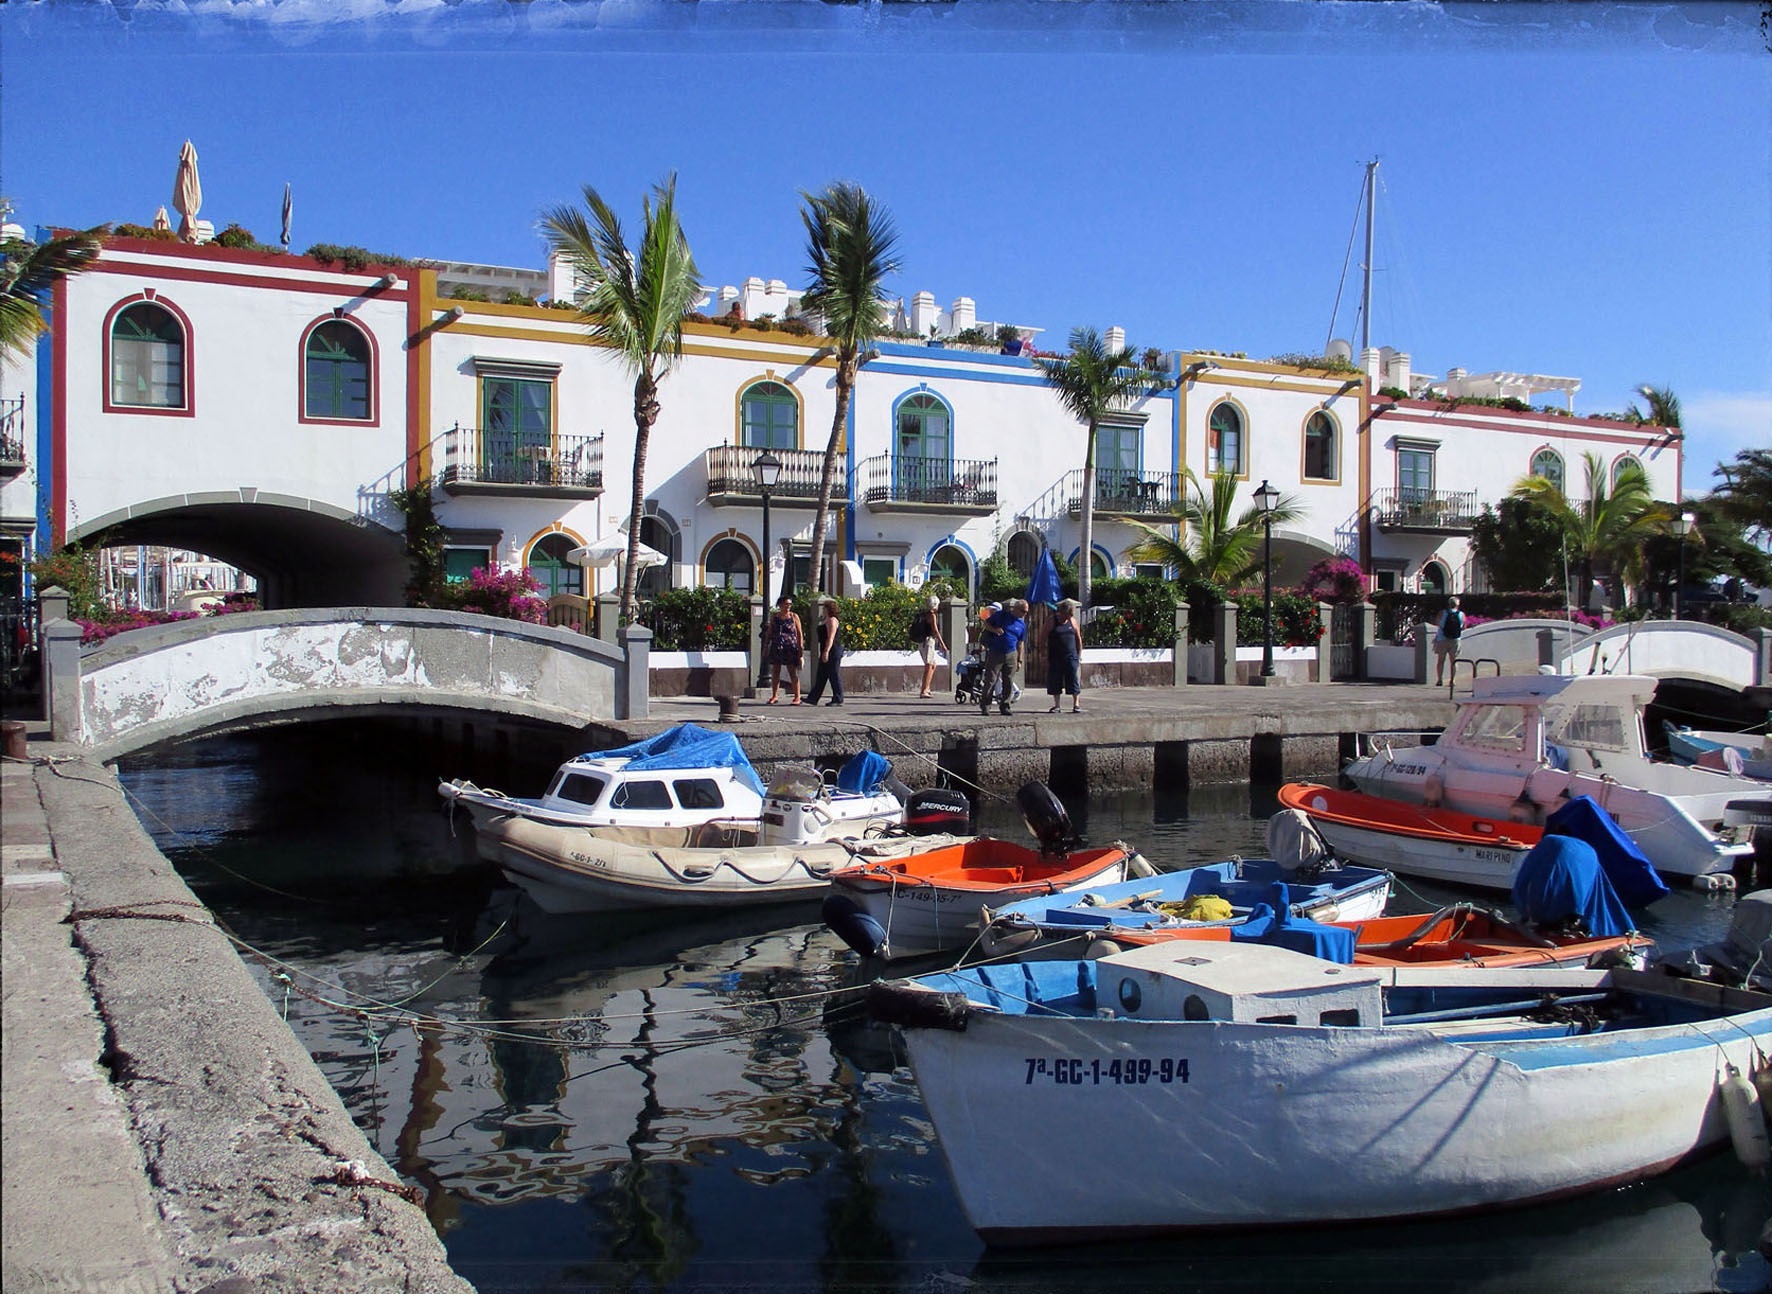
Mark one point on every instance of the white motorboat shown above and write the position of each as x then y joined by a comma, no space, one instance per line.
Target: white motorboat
1519,747
1197,1085
689,777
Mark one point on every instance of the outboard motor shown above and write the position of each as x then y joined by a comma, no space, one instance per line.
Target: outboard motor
1046,818
939,810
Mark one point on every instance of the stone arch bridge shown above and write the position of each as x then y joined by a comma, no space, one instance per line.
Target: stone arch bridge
197,676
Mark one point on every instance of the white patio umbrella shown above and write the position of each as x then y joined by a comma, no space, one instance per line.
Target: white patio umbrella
187,193
612,550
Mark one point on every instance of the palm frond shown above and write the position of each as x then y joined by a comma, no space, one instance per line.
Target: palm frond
27,274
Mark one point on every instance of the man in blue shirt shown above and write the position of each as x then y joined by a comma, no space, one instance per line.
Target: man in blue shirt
1002,653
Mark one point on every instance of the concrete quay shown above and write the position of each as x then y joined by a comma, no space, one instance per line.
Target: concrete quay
162,1128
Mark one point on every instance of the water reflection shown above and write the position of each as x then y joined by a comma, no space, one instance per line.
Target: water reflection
683,1103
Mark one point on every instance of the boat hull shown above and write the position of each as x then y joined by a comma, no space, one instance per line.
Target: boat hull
920,914
1223,1125
1437,845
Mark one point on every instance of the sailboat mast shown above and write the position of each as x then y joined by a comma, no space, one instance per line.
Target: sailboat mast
1366,277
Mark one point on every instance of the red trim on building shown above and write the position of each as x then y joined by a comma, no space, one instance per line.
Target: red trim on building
189,361
301,376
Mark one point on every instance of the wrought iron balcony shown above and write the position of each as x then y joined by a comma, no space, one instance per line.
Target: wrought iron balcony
1121,492
476,461
1439,512
12,437
733,482
909,483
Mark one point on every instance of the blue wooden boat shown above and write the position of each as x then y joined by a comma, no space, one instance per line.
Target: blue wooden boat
1728,752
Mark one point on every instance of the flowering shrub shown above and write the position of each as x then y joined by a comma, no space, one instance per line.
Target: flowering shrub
113,623
1142,614
1296,622
1335,579
509,595
701,619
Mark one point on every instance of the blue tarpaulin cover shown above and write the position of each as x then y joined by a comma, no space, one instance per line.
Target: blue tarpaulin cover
864,772
1273,922
1632,875
687,746
1560,877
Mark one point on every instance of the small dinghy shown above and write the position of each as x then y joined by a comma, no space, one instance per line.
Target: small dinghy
930,901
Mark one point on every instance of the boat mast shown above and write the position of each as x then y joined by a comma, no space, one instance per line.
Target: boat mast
1366,276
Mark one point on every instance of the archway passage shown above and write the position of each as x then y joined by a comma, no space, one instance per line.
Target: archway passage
302,554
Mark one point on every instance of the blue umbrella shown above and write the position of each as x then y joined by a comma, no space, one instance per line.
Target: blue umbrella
1043,583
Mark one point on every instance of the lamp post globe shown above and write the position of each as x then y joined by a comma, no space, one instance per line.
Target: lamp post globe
1267,496
765,471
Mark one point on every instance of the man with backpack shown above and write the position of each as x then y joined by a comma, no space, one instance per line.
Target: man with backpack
1446,638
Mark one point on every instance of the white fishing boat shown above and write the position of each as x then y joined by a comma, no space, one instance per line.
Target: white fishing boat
1521,746
1199,1085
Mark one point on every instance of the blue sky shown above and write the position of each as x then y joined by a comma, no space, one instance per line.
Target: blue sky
1576,190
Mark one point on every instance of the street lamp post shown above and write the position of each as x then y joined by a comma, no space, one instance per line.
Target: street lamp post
766,471
1682,527
1267,496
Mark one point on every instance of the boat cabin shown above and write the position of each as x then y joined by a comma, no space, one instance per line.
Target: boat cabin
1580,724
661,797
1245,983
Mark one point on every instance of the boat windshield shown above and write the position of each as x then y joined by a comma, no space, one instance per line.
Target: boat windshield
698,793
1497,727
580,788
1590,727
641,793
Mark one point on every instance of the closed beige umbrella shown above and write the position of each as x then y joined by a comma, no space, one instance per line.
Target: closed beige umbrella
162,220
187,193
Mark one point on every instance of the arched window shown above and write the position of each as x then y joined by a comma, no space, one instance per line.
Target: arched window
147,358
659,534
730,567
950,563
1434,578
1625,464
1023,552
1224,439
547,562
1548,464
335,372
923,457
771,417
1320,459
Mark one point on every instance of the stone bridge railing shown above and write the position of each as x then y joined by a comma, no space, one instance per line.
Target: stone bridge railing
172,681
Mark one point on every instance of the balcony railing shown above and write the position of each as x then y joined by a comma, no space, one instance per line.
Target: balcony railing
12,436
967,485
474,460
1434,511
1127,493
732,480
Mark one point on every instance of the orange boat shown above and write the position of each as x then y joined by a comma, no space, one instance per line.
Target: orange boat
1412,839
1462,934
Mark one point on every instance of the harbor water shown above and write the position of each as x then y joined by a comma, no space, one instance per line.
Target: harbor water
672,1103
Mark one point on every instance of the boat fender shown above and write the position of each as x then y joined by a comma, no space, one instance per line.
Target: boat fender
1747,1126
900,1002
1005,936
1045,816
853,926
1762,1078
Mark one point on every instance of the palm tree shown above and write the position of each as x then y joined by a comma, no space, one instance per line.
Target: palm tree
26,270
1092,381
1663,406
1213,546
634,302
850,242
1609,525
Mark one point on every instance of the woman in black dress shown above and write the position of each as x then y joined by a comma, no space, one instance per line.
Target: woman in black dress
1064,657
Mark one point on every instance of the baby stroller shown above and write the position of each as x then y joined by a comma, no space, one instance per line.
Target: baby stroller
969,679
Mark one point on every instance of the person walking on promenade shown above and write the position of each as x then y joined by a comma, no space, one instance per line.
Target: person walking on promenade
787,648
926,633
1002,635
830,656
1446,636
1064,657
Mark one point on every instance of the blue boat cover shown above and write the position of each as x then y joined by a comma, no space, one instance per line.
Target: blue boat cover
1272,922
687,746
864,772
1560,877
1632,875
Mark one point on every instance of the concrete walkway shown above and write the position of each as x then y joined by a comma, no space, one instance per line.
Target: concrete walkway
163,1129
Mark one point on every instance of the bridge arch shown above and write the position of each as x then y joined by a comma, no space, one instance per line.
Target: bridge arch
303,552
180,680
1681,649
